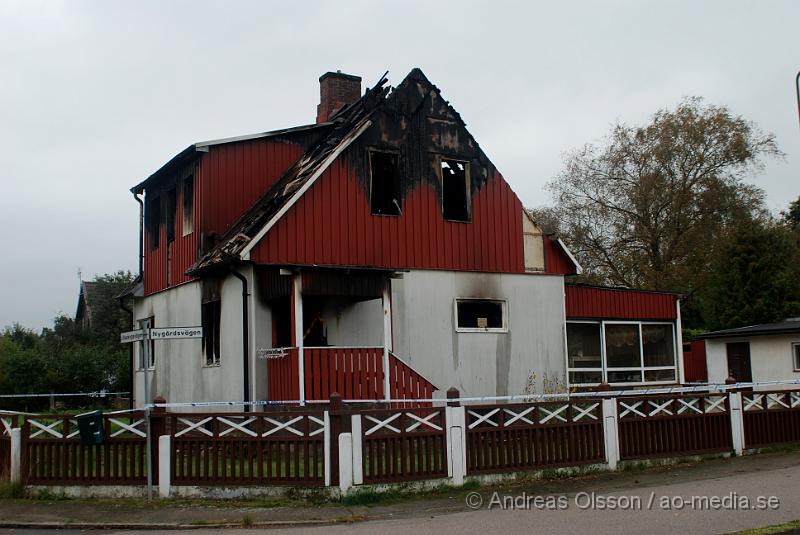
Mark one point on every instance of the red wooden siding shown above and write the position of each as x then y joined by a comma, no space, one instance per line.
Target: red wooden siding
227,181
611,303
183,249
235,175
555,259
694,363
332,225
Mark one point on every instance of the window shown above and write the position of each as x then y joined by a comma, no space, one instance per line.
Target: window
796,356
147,323
481,315
456,201
385,183
583,353
620,352
153,220
171,209
188,205
623,350
211,315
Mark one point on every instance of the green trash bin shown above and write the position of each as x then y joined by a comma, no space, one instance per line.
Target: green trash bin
90,426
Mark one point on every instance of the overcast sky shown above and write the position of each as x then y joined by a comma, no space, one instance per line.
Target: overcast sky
94,96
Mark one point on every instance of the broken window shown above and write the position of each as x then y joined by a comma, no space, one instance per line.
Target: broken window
796,355
153,220
480,315
147,323
188,205
385,183
456,202
171,208
211,313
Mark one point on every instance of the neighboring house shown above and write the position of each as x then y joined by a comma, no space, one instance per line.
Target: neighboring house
757,353
86,300
377,253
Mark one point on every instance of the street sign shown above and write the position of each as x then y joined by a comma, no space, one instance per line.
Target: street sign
132,336
172,333
161,333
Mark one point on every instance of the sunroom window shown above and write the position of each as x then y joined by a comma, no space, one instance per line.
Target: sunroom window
583,350
620,352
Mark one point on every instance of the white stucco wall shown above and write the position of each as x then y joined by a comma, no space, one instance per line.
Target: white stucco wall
483,363
180,373
354,323
424,335
770,359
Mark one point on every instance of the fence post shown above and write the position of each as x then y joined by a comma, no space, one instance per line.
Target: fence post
164,466
456,444
345,462
16,455
157,428
611,432
358,464
737,421
335,427
326,419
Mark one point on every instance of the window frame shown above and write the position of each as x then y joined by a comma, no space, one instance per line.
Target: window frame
504,312
796,357
207,333
149,322
642,369
396,153
187,225
152,219
601,369
467,180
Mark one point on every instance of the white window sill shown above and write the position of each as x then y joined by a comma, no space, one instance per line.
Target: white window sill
478,330
215,365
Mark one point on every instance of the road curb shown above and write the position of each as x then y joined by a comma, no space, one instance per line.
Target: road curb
168,525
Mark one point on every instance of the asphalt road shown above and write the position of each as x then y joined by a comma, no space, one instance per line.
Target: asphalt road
634,506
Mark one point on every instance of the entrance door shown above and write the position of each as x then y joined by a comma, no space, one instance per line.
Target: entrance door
739,361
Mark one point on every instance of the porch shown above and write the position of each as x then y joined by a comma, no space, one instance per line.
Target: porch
332,332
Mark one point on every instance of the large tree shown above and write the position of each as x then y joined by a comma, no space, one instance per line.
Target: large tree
754,277
647,206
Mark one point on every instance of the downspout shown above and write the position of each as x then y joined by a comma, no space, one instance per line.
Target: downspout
141,232
245,338
121,303
130,353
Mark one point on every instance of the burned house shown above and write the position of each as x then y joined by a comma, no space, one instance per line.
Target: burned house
377,253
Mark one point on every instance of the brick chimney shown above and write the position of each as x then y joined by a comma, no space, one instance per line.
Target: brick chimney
336,90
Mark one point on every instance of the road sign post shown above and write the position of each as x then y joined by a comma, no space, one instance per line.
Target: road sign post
145,335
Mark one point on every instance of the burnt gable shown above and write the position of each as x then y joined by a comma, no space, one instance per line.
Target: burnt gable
418,124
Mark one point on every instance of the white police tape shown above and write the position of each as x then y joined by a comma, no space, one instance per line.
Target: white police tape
98,394
706,388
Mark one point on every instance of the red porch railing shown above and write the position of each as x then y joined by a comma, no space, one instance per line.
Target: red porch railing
282,376
352,372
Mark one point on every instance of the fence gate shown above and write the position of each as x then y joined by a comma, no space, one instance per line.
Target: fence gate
657,426
403,445
771,418
53,454
274,448
510,438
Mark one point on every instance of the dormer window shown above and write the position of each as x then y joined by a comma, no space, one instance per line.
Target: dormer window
384,183
456,199
171,209
153,220
188,205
